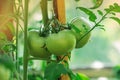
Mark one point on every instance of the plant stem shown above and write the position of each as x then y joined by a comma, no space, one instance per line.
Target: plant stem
94,26
17,62
25,56
35,58
16,12
44,9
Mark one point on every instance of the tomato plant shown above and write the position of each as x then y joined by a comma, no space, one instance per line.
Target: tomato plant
55,39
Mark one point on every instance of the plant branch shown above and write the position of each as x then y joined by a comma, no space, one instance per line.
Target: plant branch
35,58
25,56
44,9
94,26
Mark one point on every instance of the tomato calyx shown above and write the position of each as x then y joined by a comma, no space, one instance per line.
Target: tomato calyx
53,26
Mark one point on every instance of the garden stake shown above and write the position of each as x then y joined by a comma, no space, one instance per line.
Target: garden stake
59,10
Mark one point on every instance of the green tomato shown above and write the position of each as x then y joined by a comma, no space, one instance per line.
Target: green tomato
83,27
36,45
61,43
4,73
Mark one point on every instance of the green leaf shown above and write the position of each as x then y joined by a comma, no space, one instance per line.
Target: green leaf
97,3
107,10
30,63
102,28
74,28
100,12
20,59
116,71
113,8
9,47
116,7
116,19
54,70
113,13
99,25
116,68
80,76
92,16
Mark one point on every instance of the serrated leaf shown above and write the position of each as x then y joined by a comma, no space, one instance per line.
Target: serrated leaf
54,70
97,3
116,7
74,28
116,19
100,12
113,8
92,16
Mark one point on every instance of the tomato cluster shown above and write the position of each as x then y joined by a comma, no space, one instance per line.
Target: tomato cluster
59,42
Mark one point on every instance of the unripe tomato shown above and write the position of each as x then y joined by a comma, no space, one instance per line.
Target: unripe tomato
84,27
61,43
4,73
36,45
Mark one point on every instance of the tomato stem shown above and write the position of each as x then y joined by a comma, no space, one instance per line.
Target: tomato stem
35,58
25,55
103,17
44,9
